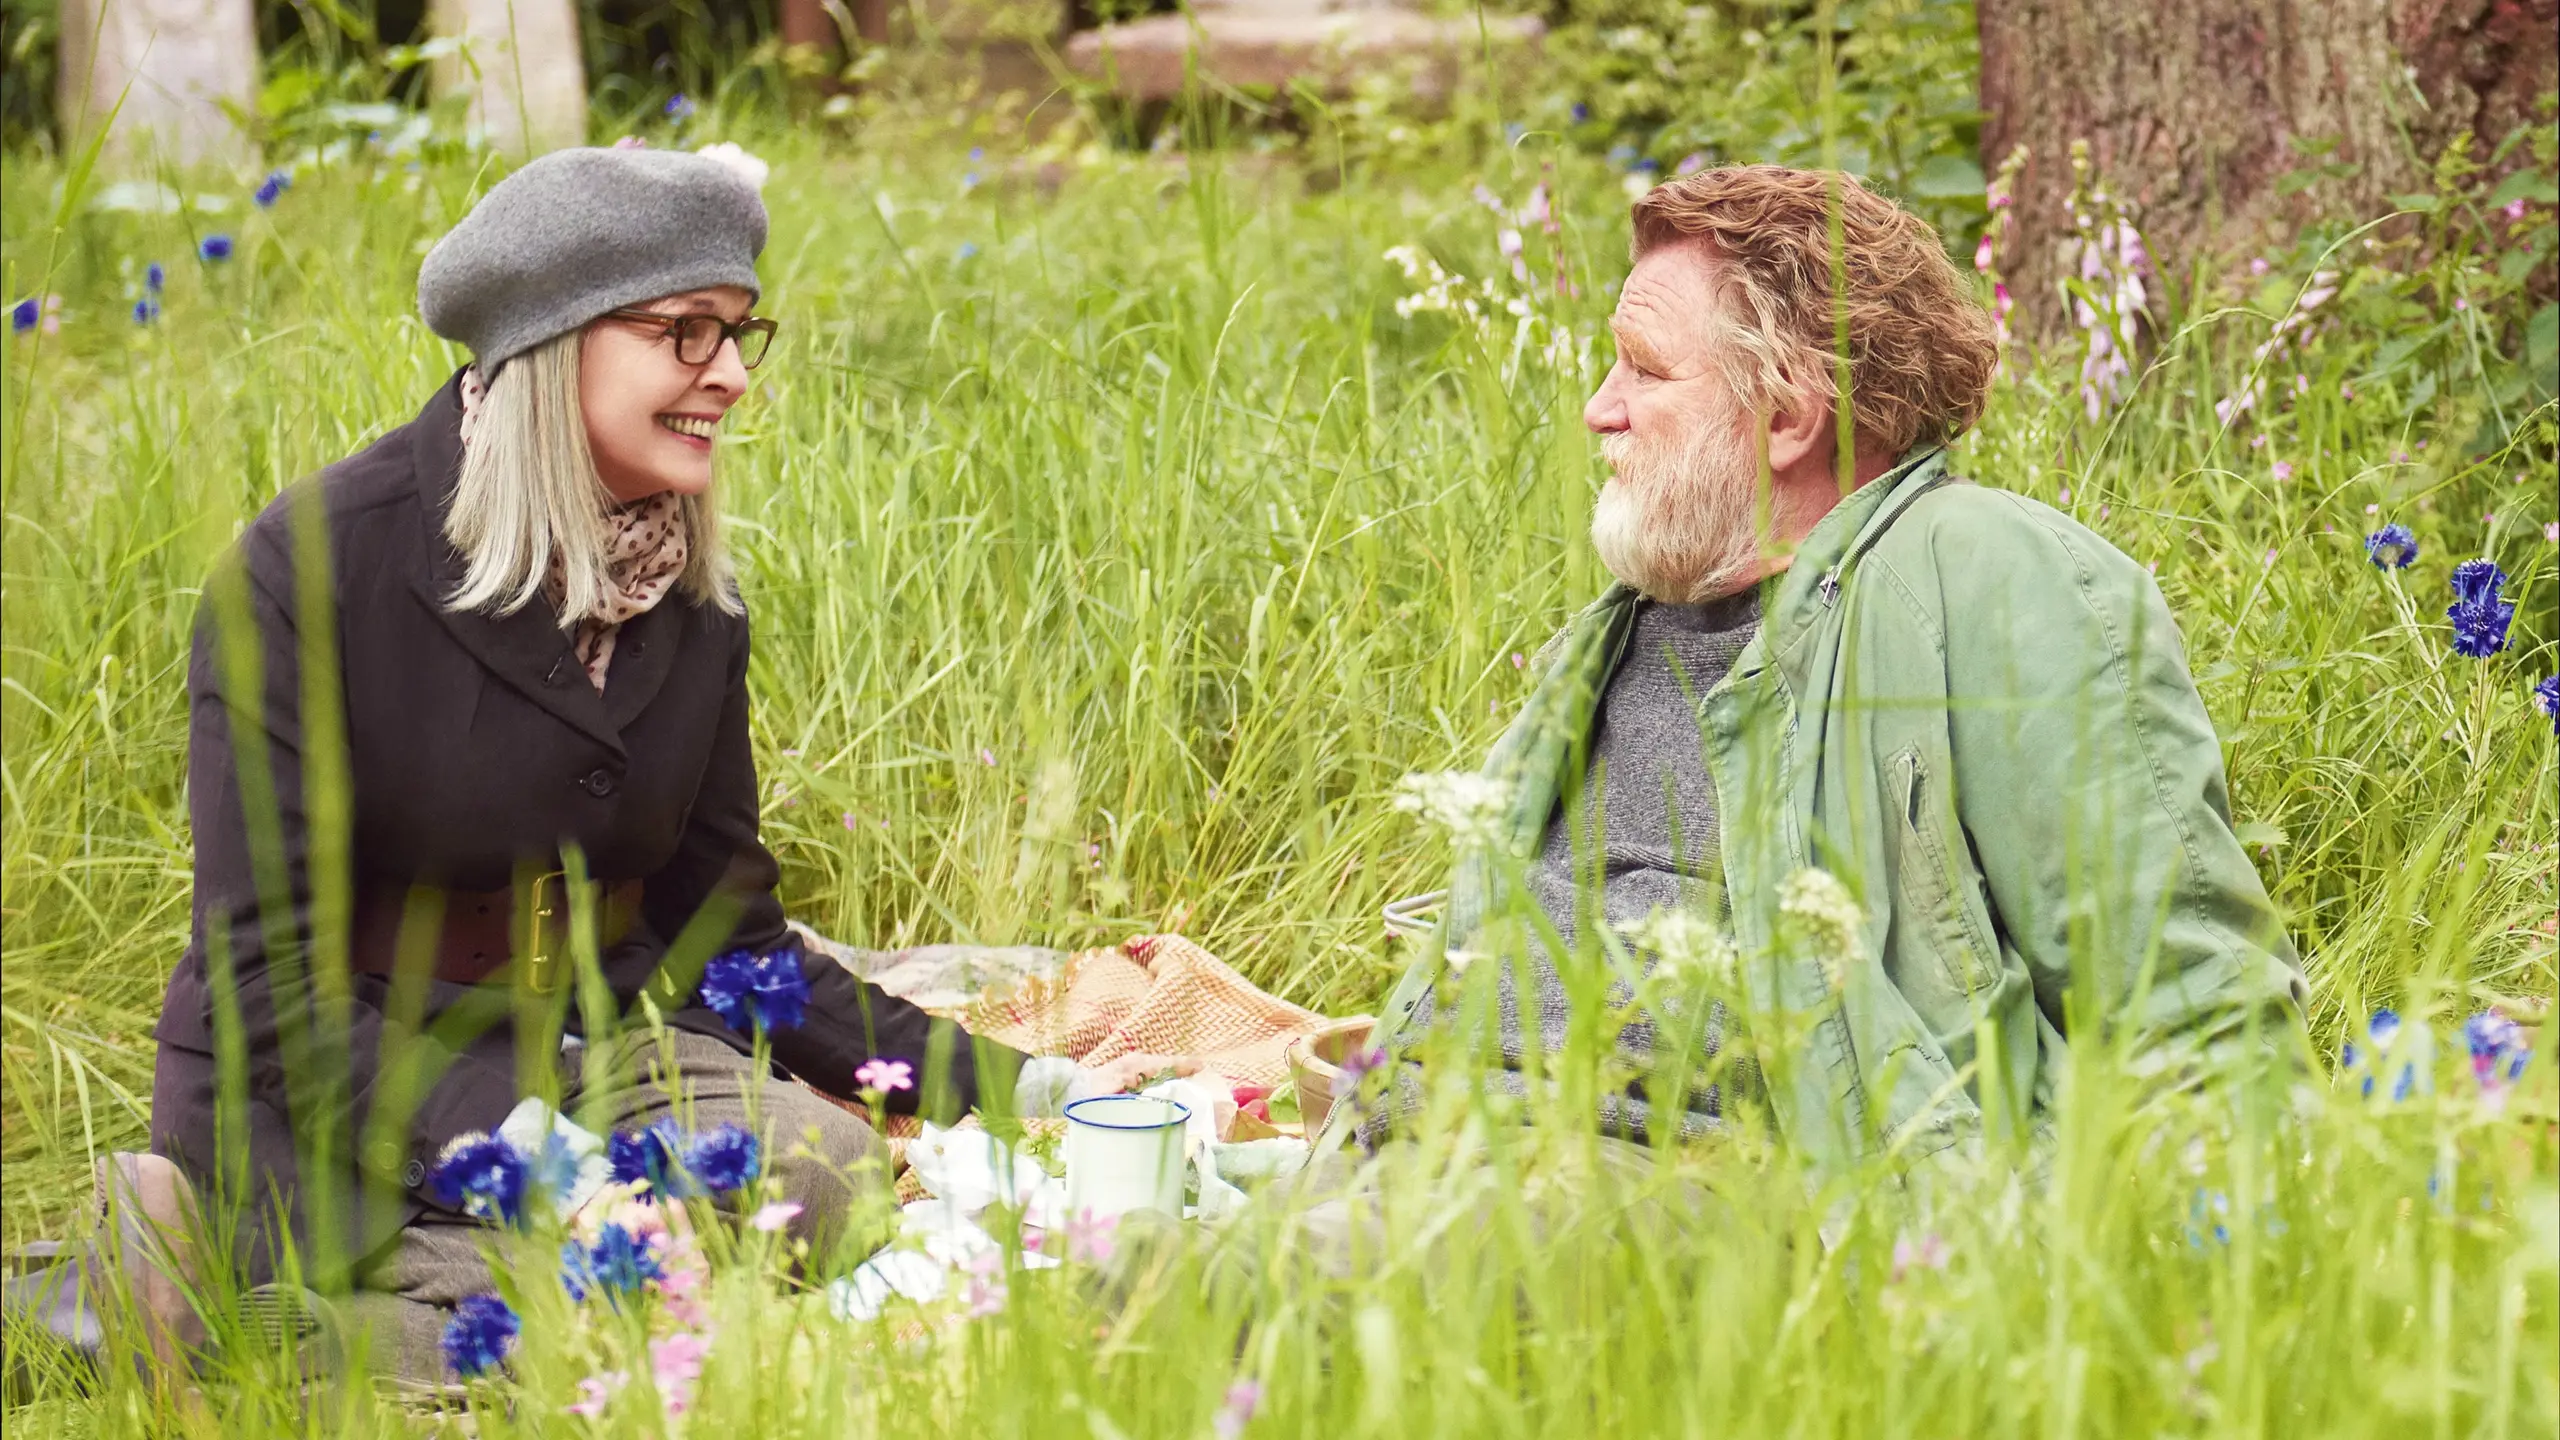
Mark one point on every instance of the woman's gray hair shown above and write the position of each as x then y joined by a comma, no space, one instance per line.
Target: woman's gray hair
529,489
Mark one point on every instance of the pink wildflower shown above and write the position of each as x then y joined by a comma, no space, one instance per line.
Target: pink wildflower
986,756
2551,532
2373,509
2284,470
885,1075
1089,1236
596,1391
774,1216
1236,1411
2514,209
1519,661
676,1363
1982,253
849,822
2258,265
1929,1253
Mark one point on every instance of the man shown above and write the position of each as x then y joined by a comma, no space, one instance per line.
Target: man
1827,652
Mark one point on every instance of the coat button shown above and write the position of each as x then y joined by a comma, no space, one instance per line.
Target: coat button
599,782
415,1174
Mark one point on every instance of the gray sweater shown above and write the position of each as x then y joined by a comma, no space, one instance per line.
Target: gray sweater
1642,826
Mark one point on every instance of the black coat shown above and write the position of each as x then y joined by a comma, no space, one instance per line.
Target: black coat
476,750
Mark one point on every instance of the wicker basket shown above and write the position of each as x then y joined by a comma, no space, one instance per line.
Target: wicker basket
1315,1063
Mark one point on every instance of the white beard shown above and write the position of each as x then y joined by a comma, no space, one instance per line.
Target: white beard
1681,524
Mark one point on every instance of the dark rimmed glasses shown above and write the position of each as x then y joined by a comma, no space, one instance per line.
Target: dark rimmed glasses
698,337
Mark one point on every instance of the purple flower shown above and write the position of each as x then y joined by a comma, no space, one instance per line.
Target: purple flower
757,992
2284,469
154,278
725,1159
2498,1048
680,108
885,1075
1580,112
2546,698
1236,1410
618,1264
146,310
2392,547
24,315
2479,617
276,183
214,248
480,1334
650,1157
481,1175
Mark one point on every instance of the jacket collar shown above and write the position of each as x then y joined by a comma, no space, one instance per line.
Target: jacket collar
528,649
1811,585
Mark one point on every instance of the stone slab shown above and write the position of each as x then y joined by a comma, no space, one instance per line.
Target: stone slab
1267,46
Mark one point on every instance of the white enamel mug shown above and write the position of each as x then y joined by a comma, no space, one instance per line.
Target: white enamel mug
1124,1153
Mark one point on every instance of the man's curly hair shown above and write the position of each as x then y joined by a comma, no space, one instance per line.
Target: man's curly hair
1921,349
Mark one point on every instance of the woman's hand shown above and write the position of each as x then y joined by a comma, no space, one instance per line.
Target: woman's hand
1113,1077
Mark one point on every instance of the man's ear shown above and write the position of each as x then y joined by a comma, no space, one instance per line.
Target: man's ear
1800,429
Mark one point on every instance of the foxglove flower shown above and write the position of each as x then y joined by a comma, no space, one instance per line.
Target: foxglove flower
618,1264
885,1075
2392,547
480,1334
2479,617
650,1157
724,1159
757,992
269,189
481,1175
2546,698
214,249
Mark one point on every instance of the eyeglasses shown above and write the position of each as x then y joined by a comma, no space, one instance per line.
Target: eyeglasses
699,337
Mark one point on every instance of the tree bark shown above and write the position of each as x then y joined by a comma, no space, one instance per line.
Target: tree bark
521,67
174,65
2194,110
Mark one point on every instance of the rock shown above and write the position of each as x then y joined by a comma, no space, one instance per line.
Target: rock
1273,44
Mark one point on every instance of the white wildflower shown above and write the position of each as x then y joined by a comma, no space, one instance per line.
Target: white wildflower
1469,806
1819,915
747,167
1685,946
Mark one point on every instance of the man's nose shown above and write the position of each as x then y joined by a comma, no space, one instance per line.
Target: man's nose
1605,413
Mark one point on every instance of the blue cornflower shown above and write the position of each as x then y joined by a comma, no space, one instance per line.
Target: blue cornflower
1512,130
977,153
480,1334
1621,156
146,310
968,250
553,1170
969,181
618,1264
2392,547
650,1158
154,279
757,992
216,248
1646,165
276,183
1580,112
2546,698
2479,617
24,315
680,108
483,1175
724,1159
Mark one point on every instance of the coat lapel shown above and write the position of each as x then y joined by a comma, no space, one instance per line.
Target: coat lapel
528,649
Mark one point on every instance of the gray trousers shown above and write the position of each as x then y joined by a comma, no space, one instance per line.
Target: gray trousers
815,1149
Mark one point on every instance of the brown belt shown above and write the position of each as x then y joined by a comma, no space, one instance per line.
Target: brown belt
479,931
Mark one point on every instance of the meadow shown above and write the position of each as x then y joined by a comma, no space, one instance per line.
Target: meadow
1116,542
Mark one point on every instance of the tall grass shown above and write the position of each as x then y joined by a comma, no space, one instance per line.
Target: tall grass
1112,552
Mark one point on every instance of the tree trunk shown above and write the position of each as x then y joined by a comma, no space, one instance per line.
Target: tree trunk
174,65
2194,110
521,67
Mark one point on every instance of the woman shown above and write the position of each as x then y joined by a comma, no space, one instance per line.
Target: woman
520,612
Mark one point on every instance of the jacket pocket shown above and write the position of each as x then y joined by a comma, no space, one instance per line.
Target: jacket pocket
1928,882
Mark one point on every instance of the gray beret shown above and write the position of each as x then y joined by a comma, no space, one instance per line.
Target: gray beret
579,232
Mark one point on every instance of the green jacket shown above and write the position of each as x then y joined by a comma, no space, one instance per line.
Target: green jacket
1977,714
